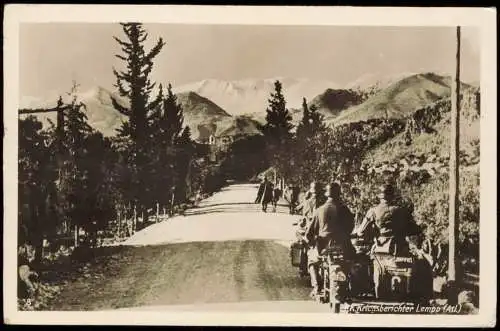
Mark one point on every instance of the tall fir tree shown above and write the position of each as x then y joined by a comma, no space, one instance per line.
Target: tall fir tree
167,129
167,120
278,119
134,83
277,131
184,147
304,123
174,118
311,122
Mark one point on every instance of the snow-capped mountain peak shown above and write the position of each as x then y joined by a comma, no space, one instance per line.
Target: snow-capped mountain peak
251,95
377,79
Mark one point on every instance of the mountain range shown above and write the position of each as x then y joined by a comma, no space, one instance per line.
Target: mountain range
237,108
400,98
251,95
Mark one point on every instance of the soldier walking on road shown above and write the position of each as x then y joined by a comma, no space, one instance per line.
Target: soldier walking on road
293,197
265,194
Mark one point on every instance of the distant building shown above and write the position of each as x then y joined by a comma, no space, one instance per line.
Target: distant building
220,141
218,145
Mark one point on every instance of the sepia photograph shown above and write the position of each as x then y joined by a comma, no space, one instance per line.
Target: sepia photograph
283,168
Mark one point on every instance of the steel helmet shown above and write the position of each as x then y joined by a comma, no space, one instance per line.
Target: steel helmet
387,191
333,190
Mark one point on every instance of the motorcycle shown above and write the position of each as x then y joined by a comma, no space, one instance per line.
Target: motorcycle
396,276
335,280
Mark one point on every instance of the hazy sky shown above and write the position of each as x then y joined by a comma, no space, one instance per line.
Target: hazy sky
52,55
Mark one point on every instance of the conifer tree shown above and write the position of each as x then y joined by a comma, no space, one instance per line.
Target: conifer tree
134,83
167,120
173,117
167,152
277,130
311,122
278,119
302,127
135,87
184,150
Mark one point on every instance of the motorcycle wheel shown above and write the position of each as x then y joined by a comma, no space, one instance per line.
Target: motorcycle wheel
334,303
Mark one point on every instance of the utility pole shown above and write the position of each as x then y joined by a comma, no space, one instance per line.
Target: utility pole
119,219
157,212
454,173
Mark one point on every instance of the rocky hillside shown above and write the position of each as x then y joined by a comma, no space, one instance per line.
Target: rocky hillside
393,97
206,118
424,144
401,98
332,102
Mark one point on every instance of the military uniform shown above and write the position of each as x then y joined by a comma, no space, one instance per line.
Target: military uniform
265,194
393,222
331,223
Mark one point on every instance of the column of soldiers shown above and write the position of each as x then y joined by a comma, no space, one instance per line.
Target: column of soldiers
328,219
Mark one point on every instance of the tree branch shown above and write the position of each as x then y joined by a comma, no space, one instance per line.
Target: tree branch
122,110
121,57
156,49
122,43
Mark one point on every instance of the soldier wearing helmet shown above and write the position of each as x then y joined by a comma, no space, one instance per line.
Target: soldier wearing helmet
310,202
332,222
391,220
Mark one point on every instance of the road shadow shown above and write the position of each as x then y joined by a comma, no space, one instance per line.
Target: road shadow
238,188
229,210
233,207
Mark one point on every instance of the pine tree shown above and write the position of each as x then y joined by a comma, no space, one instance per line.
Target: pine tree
317,119
184,153
304,123
278,119
135,86
311,123
277,131
173,117
167,152
134,83
167,120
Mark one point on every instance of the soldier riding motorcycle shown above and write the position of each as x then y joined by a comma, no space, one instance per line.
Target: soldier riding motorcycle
395,267
330,249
